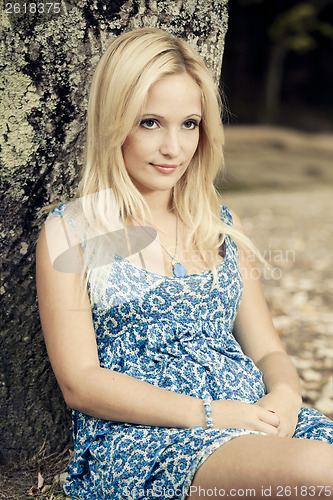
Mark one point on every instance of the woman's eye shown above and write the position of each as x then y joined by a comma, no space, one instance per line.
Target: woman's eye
190,124
148,123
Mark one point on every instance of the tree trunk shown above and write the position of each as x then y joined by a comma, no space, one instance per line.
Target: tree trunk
47,64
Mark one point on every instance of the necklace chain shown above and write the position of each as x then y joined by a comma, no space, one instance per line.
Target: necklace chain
178,269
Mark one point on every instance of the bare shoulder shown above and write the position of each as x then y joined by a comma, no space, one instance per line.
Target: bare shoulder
58,270
58,247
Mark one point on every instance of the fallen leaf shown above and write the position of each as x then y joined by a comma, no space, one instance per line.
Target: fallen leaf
40,483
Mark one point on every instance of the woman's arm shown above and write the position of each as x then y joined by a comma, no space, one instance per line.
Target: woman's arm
255,331
66,319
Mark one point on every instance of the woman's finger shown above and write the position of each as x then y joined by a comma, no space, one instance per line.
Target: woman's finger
269,417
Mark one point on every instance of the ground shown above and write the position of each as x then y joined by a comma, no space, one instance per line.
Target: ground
280,183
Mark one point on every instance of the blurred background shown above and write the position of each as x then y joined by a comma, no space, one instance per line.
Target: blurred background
277,65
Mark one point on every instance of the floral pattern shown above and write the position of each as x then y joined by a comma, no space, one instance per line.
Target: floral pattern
175,333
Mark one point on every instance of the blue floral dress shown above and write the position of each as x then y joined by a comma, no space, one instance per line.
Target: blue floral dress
175,333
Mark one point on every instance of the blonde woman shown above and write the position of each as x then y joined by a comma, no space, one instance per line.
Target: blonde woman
154,320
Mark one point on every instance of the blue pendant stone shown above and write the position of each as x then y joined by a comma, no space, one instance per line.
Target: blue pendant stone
179,270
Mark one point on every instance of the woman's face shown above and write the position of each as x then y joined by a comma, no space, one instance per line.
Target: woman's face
158,151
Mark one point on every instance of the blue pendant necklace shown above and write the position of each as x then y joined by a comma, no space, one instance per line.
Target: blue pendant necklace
178,269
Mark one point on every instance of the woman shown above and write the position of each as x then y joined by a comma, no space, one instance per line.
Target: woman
155,323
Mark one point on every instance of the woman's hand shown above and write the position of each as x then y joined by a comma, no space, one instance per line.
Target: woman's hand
286,405
228,414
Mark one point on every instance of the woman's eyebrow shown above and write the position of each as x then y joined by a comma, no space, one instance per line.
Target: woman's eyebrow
153,115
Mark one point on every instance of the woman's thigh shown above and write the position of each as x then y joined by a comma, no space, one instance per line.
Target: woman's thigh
259,466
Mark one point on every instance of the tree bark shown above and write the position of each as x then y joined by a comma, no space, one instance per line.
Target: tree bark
47,63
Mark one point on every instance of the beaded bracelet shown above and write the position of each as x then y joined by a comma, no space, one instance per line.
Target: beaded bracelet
208,411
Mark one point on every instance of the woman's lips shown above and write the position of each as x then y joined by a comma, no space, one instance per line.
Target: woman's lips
164,168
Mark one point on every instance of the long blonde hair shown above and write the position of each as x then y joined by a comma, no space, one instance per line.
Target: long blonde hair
131,64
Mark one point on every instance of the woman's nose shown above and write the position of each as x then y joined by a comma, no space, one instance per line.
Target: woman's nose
170,145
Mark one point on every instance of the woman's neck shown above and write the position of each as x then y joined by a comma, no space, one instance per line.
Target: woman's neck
159,203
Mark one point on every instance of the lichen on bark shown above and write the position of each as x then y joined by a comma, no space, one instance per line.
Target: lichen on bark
18,96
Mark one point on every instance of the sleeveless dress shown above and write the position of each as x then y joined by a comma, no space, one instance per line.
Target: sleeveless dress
175,333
